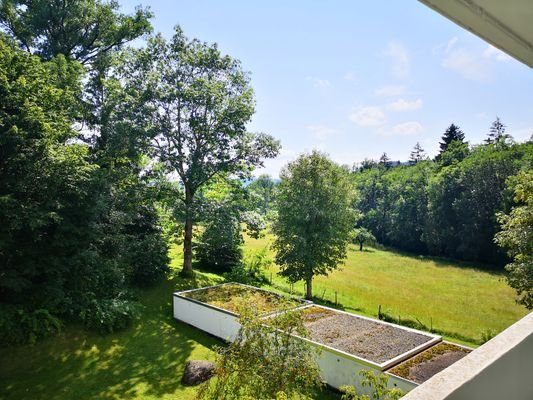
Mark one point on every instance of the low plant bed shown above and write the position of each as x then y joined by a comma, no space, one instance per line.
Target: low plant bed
230,295
430,362
371,340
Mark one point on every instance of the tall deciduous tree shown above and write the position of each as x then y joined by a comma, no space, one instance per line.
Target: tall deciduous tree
315,218
517,237
195,103
79,29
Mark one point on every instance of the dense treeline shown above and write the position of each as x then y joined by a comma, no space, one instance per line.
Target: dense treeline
447,207
79,228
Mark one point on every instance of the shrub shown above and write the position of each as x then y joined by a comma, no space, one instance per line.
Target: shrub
251,271
19,326
219,247
109,315
377,385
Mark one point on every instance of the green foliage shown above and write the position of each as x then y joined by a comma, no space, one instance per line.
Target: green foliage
194,104
377,386
262,194
362,236
81,30
220,245
314,219
265,361
447,208
417,154
452,134
19,326
517,237
77,225
251,270
255,224
109,315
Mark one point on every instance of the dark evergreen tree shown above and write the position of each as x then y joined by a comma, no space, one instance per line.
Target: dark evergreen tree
453,133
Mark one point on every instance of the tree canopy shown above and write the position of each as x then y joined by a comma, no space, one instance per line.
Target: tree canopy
80,30
517,237
194,104
315,218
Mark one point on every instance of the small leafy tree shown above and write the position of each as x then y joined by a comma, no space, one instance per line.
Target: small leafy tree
517,237
315,218
377,385
362,236
265,361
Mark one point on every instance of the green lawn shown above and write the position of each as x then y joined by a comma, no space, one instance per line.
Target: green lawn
143,362
456,298
147,360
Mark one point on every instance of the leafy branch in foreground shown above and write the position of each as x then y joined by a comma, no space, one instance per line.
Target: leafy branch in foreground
265,361
377,385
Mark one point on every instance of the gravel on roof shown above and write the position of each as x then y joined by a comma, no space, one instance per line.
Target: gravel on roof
371,340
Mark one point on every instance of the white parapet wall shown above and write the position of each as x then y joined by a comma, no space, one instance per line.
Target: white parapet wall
213,320
338,369
500,369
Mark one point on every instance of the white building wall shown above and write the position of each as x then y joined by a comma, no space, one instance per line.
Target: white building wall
218,323
500,369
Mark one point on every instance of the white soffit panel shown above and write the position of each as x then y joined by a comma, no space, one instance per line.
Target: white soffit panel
506,24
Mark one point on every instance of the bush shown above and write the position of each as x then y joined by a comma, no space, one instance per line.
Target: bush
219,247
251,271
377,386
109,315
19,326
149,261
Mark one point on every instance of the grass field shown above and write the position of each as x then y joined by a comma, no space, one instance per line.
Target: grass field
456,299
146,361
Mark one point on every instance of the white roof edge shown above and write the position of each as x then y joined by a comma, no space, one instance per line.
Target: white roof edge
479,21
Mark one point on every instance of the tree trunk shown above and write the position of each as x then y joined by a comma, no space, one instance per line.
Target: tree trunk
187,236
309,288
360,246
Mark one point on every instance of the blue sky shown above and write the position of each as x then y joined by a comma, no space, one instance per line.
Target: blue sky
358,78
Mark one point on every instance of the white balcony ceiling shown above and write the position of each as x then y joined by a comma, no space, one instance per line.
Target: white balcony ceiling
506,24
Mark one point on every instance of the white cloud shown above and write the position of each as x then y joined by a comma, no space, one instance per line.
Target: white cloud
406,105
349,76
496,54
400,59
368,116
391,90
472,64
318,82
321,131
406,129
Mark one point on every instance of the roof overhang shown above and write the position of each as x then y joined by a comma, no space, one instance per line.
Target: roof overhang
506,24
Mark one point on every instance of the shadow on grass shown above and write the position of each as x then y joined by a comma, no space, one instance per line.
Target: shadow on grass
145,360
